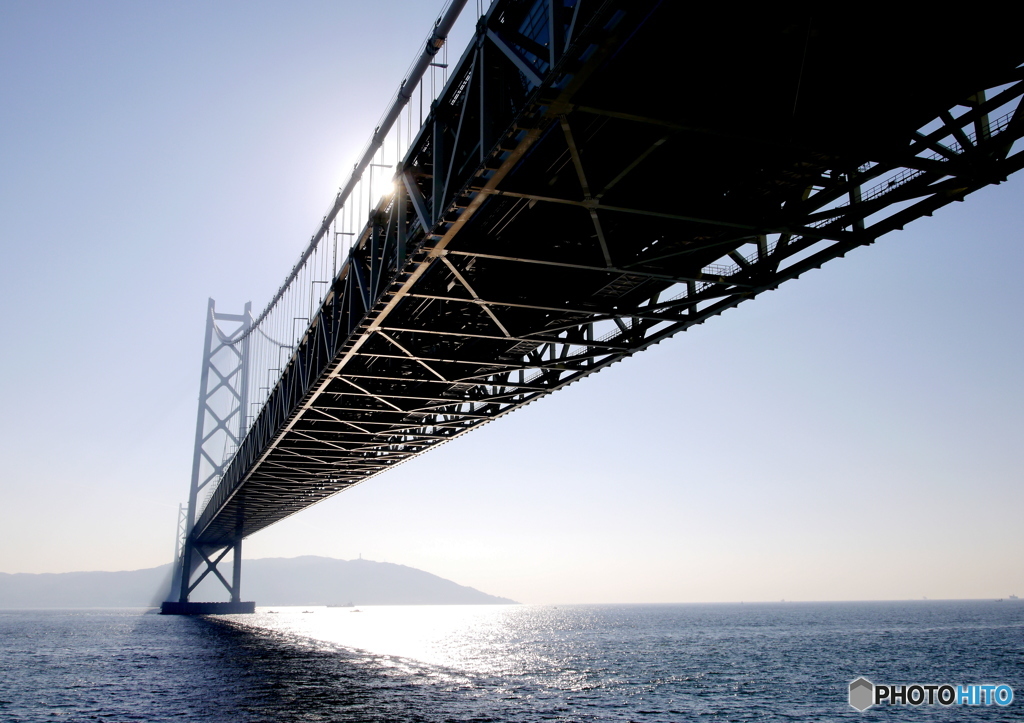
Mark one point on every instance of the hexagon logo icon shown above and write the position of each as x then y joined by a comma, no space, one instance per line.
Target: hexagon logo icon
862,694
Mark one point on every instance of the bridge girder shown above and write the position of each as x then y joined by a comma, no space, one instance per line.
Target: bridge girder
591,184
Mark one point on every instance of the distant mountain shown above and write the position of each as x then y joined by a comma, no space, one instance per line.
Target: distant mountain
312,580
308,580
84,589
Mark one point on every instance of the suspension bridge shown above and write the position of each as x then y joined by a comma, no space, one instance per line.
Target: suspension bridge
586,179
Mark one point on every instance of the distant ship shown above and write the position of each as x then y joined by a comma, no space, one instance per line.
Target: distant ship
1014,597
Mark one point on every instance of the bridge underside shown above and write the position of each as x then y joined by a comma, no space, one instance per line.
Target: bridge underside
597,178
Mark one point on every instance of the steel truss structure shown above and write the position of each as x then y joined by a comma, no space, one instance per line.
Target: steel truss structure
596,177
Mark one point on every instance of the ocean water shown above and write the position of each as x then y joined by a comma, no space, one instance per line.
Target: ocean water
736,662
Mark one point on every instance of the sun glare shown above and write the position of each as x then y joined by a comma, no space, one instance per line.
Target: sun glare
383,186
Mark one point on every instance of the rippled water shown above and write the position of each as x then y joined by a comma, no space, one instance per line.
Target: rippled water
765,662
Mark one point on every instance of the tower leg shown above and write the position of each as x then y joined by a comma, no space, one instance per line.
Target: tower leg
236,573
186,571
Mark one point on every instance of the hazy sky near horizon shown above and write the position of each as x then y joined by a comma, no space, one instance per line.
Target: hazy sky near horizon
854,435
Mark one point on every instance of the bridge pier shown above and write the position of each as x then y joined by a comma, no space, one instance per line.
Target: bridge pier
207,608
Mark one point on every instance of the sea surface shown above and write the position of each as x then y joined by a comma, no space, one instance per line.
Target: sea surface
699,662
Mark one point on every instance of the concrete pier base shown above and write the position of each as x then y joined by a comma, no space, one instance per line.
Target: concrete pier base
207,608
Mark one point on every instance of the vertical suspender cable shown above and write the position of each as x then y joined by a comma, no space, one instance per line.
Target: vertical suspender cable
434,42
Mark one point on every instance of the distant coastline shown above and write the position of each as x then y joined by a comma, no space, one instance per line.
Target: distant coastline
307,580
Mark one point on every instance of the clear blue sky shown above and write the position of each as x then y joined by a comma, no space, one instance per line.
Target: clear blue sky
853,435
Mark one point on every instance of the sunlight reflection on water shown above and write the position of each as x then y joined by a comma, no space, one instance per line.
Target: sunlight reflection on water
475,639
